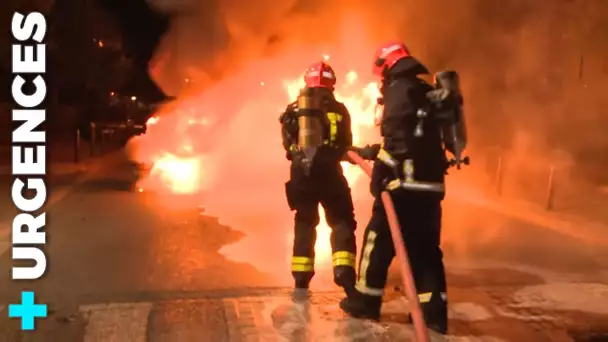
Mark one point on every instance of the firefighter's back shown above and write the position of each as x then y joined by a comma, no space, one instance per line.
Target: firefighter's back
422,134
411,135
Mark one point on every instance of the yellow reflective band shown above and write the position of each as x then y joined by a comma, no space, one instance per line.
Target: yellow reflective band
333,118
302,264
302,260
368,248
386,158
425,297
293,148
394,184
415,186
344,258
302,268
408,170
345,262
361,287
343,255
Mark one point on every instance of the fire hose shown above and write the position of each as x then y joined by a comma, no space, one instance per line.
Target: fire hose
420,327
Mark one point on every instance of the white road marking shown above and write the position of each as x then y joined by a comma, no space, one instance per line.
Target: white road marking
326,322
56,195
274,318
116,322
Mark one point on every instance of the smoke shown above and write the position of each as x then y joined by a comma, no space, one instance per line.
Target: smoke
518,58
525,87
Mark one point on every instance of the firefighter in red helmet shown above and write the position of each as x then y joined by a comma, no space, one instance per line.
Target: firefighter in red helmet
411,164
316,132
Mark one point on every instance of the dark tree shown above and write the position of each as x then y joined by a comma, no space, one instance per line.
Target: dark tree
142,29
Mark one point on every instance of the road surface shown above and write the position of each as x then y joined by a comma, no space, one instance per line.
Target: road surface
122,269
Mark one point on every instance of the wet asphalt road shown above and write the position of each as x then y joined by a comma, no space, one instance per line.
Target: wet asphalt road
120,266
106,240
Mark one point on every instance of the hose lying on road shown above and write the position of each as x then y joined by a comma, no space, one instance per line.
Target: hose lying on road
420,328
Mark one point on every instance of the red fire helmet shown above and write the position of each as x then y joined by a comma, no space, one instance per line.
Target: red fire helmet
320,75
387,55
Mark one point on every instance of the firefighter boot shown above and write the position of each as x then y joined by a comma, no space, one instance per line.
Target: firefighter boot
300,295
436,314
344,276
302,279
358,305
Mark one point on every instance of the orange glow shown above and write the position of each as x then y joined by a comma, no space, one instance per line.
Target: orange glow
152,121
223,142
181,175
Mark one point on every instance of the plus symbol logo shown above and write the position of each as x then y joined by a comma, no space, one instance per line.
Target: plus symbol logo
27,310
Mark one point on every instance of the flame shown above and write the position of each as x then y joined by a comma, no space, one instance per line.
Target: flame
202,142
181,175
152,121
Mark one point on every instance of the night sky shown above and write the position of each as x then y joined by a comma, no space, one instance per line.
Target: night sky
141,36
142,29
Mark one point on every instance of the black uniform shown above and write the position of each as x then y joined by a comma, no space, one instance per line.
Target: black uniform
416,144
325,185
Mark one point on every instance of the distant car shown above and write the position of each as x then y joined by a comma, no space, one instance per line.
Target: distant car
129,129
135,128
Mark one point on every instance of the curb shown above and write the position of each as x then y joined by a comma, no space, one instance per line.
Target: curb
569,226
58,195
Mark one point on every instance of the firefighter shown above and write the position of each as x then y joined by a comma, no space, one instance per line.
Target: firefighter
319,179
412,152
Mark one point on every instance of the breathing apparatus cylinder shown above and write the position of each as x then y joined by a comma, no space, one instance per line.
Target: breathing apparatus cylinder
454,131
311,115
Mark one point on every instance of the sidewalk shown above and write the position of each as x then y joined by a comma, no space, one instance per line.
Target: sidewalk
577,226
60,159
57,169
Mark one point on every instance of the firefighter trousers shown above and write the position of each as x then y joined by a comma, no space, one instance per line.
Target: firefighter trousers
304,194
420,219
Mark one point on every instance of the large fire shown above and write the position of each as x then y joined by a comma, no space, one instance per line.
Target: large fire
223,144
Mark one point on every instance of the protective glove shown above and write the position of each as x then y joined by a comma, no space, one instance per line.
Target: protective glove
368,152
